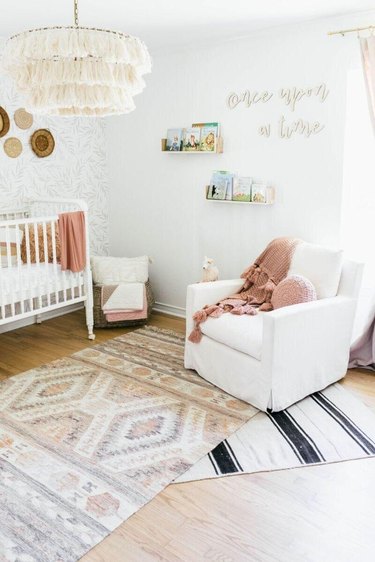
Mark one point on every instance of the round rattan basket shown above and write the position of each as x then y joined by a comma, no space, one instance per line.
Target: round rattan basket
42,143
23,119
12,147
4,123
100,320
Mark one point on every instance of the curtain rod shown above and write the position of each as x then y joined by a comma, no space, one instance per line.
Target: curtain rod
356,29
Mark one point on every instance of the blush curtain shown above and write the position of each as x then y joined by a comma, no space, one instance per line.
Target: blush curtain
368,61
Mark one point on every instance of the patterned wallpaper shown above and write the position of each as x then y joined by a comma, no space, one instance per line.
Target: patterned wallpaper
77,168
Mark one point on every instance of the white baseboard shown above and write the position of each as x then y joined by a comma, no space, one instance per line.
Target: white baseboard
170,309
46,316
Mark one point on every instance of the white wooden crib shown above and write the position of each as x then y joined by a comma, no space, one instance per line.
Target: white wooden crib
33,286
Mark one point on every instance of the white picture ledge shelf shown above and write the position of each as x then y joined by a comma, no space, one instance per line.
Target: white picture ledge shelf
219,148
192,152
243,203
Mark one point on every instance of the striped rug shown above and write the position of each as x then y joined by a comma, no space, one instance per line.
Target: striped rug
328,426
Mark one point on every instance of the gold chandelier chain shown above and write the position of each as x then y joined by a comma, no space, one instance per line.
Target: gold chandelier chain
76,13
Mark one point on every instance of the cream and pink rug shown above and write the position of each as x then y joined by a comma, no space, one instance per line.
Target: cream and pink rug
86,441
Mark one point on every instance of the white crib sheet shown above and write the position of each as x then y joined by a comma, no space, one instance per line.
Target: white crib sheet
22,283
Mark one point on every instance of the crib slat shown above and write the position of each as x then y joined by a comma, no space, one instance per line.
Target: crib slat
9,260
21,285
2,292
46,277
28,266
37,265
54,261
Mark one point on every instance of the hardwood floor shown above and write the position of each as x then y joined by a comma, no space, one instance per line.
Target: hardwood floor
315,514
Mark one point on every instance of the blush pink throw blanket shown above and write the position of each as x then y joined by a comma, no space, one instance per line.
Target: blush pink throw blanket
72,234
261,278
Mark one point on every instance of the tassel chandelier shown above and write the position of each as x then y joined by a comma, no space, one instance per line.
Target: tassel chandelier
77,70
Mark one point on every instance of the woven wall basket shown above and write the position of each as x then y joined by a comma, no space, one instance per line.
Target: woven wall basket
4,123
42,143
13,147
23,119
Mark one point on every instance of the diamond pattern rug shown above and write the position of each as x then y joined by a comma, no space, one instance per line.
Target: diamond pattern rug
86,441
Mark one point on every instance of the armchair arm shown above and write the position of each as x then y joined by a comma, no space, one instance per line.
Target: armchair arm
307,342
200,294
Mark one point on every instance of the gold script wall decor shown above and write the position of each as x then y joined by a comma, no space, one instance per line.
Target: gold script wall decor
291,97
248,98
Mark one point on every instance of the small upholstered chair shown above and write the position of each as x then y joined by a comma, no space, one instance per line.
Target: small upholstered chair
274,359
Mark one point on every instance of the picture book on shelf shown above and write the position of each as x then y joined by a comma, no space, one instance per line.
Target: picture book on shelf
209,135
221,185
242,189
259,193
174,140
191,139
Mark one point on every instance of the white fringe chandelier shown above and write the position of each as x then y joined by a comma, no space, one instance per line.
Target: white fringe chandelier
77,70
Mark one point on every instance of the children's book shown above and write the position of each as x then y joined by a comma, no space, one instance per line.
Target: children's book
242,189
209,135
192,139
220,186
174,140
258,193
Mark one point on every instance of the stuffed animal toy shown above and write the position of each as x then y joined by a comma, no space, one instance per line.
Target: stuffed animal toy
210,271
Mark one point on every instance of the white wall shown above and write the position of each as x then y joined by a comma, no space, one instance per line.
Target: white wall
76,169
157,203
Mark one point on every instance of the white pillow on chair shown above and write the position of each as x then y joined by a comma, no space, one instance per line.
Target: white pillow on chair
322,266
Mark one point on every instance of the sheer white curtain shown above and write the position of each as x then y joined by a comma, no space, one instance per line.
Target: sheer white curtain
358,207
358,204
368,62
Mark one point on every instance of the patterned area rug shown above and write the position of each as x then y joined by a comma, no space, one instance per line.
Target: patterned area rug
328,426
86,441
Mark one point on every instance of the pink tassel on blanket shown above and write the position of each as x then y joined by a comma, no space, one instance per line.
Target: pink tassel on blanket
196,335
210,310
217,312
200,316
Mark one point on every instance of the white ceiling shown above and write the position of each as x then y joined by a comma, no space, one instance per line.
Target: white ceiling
165,23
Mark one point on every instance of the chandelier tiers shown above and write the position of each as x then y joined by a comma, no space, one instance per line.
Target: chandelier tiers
77,70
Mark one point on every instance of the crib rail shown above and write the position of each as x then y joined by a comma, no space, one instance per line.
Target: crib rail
31,278
9,214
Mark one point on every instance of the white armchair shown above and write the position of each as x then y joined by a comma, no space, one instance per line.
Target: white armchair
276,358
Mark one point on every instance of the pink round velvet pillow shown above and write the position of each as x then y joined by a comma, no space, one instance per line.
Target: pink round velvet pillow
294,289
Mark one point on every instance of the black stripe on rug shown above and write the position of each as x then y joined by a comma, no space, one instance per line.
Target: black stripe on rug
224,462
213,463
233,455
302,445
345,422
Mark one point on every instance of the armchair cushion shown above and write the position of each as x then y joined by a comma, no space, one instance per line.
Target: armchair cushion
242,333
322,266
